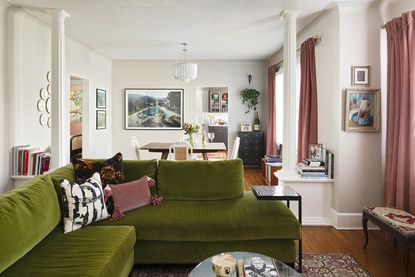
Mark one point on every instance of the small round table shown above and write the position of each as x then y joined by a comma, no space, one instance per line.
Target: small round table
204,269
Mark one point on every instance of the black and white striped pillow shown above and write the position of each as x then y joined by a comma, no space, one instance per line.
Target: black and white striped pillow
82,204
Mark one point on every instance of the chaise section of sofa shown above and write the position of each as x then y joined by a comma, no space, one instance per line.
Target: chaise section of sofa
33,243
206,211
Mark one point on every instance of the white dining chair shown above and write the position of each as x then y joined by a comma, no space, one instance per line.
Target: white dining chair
234,153
136,146
235,149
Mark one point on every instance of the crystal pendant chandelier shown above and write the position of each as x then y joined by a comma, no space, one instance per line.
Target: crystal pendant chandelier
185,71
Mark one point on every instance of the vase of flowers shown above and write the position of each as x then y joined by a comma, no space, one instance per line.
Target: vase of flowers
190,129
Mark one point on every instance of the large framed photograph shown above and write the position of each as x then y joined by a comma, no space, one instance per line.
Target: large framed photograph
101,120
361,76
362,110
101,99
154,109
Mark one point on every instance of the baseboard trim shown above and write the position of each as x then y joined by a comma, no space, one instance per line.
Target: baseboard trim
317,221
349,221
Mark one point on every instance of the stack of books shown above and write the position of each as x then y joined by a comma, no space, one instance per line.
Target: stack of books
272,158
30,161
312,169
323,169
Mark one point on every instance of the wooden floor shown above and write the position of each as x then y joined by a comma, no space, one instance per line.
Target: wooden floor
380,258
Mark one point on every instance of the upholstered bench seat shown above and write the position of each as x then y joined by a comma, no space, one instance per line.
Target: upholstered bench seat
399,223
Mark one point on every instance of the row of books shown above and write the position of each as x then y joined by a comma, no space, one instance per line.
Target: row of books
30,161
324,169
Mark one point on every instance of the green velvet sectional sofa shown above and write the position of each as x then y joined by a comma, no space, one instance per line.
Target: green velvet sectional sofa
205,211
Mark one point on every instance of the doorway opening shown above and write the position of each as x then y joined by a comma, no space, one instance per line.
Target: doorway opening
78,87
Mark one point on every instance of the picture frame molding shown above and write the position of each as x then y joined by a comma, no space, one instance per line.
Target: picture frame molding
126,127
377,110
355,82
96,98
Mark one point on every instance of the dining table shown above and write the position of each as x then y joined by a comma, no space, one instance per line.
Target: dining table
164,147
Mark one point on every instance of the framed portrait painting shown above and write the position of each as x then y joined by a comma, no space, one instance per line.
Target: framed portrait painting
101,119
362,110
101,99
154,109
361,76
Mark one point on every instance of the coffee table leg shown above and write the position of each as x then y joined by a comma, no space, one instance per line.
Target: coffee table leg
164,155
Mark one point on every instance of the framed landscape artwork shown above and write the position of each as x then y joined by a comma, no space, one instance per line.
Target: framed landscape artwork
101,119
362,110
154,109
361,76
101,99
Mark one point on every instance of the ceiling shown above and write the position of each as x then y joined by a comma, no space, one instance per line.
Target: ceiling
154,29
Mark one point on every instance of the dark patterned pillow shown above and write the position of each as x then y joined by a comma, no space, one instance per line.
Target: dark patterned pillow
112,171
84,169
82,204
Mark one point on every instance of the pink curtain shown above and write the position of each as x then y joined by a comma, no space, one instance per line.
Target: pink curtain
271,129
400,128
307,119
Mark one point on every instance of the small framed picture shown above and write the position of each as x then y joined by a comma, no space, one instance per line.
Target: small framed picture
101,119
362,111
246,127
315,152
361,76
101,99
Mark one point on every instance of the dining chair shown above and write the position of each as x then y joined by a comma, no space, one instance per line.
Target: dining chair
136,146
179,151
234,153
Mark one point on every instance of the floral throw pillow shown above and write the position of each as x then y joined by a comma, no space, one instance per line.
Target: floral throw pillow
84,169
112,170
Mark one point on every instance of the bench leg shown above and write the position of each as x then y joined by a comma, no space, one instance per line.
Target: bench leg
364,224
406,258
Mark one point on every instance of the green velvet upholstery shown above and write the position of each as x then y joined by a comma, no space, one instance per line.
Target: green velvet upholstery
27,216
189,252
90,251
212,220
200,180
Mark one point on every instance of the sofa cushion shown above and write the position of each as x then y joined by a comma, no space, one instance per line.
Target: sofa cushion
244,218
82,204
200,180
91,251
27,215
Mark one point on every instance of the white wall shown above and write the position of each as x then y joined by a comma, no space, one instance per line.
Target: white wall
360,153
159,74
4,100
350,36
28,51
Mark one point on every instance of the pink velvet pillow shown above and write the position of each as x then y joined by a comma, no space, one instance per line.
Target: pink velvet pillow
132,195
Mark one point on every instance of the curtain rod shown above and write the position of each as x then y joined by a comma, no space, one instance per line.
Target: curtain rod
317,40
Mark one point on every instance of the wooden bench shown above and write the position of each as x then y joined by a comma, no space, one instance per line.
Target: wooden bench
397,222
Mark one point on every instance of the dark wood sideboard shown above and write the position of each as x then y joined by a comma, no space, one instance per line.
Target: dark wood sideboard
252,149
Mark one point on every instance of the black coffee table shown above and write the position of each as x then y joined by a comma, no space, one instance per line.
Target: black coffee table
204,269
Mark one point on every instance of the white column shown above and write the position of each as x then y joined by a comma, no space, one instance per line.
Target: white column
59,92
290,111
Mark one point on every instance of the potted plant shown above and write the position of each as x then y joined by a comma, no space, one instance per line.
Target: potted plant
250,98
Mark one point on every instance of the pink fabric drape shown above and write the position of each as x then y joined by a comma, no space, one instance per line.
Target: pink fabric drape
271,128
307,119
400,128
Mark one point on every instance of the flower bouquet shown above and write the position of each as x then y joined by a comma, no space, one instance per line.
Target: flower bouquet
190,129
